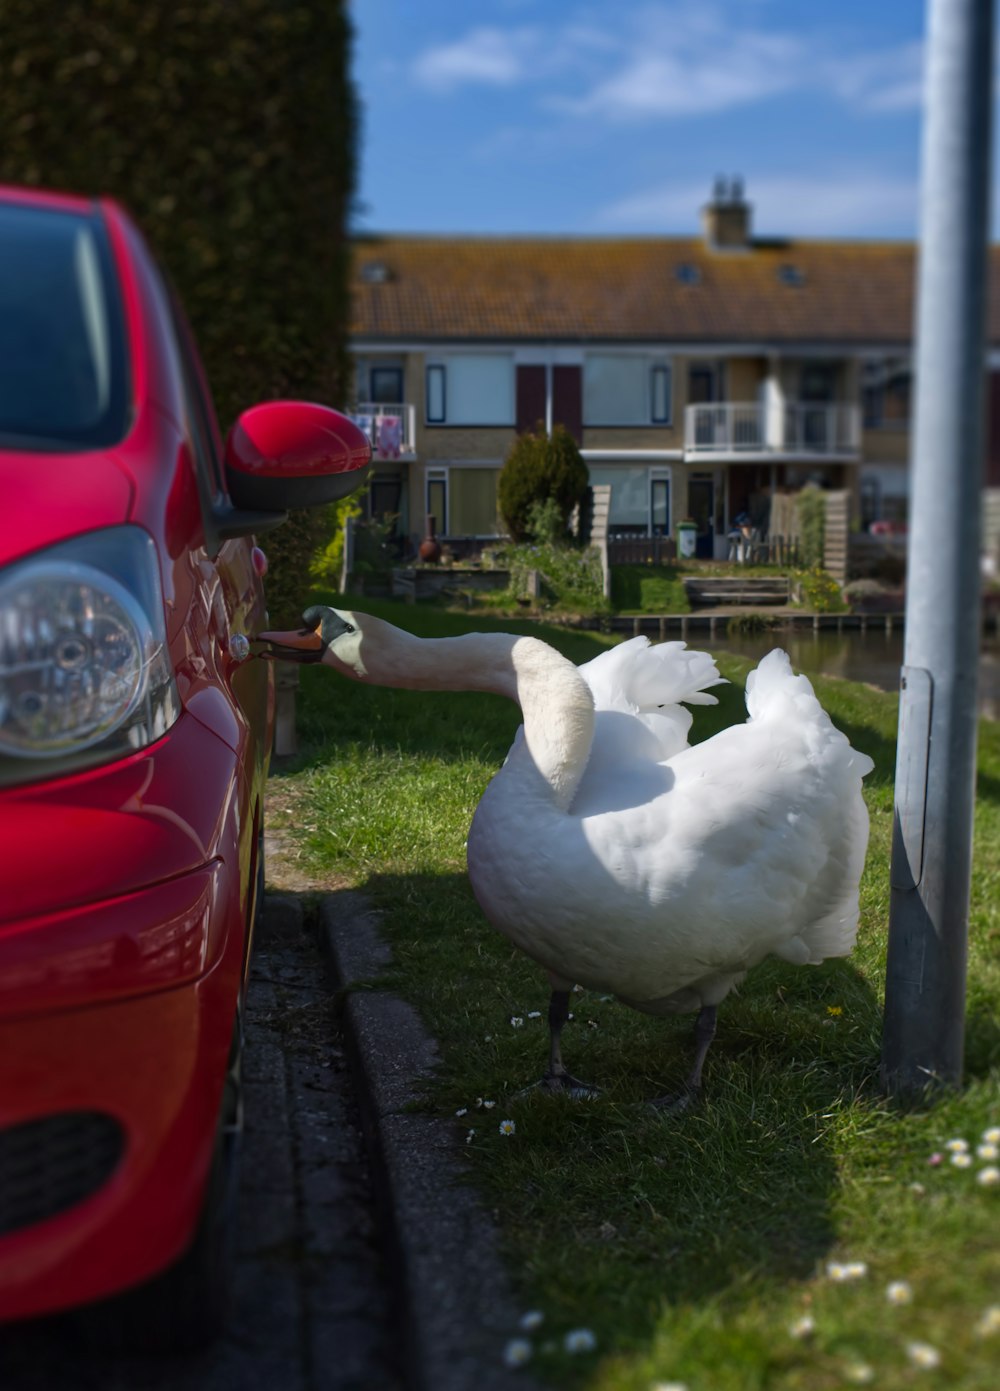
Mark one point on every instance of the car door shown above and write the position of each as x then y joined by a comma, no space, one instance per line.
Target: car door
234,577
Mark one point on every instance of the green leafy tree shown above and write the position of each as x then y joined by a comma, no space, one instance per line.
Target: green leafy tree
228,128
539,468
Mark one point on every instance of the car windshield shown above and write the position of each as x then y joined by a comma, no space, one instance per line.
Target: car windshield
62,375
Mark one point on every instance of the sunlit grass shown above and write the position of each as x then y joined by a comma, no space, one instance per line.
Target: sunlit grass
690,1245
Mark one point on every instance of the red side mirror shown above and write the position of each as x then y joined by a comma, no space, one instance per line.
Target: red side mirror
284,454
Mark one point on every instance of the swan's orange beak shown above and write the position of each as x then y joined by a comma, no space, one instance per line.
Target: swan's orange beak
302,645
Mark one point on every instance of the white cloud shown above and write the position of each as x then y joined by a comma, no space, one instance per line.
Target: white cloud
484,57
828,205
891,80
662,61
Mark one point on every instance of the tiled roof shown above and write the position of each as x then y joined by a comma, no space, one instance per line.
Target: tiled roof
427,287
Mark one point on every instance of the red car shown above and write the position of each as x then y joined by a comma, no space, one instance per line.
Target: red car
134,744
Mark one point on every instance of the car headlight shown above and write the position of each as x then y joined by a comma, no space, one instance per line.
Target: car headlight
85,674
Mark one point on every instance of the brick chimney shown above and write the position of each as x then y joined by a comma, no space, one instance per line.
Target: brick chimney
726,219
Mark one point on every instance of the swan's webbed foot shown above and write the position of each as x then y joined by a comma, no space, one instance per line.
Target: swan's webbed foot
562,1084
677,1103
565,1084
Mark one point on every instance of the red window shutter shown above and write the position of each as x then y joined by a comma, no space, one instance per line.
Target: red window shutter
530,398
567,400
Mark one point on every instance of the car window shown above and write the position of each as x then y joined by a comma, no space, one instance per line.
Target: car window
63,380
200,413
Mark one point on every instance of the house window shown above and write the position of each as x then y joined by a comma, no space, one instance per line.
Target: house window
437,498
659,502
471,389
625,389
640,499
660,393
386,386
435,395
885,393
473,502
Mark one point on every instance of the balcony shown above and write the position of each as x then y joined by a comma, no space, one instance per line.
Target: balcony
391,428
748,431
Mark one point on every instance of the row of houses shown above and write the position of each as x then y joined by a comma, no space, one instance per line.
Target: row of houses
701,377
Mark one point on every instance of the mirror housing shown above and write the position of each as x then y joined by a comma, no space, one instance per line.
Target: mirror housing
288,454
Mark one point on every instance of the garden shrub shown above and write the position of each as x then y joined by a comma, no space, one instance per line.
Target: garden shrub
819,591
540,467
811,509
228,128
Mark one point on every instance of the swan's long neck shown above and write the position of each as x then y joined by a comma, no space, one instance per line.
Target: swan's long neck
555,701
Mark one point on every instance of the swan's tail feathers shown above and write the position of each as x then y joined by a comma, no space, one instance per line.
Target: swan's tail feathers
775,693
643,677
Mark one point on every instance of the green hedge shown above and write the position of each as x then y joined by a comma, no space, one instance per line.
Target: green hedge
228,128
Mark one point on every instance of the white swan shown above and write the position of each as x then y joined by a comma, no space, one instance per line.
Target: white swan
609,850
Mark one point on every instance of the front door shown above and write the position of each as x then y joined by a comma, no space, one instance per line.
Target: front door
701,507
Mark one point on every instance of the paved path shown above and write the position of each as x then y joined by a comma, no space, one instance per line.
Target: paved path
313,1308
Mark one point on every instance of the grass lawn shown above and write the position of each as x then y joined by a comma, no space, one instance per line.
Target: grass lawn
689,1245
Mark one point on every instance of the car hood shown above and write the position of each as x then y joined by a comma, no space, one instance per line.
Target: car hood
48,498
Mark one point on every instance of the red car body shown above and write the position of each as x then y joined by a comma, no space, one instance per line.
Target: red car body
129,883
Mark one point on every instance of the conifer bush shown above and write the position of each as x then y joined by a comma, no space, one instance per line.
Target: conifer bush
540,467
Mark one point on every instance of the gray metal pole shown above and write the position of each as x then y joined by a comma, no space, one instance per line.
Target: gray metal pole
923,1036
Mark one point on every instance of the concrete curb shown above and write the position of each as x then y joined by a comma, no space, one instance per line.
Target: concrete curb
456,1299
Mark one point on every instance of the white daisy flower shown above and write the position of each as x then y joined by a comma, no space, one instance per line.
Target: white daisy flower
987,1151
992,1136
507,1127
462,1111
516,1022
468,1138
804,1327
990,1322
517,1352
989,1177
840,1271
856,1269
918,1189
923,1355
899,1292
533,1319
580,1340
957,1146
961,1160
859,1373
577,989
534,1014
669,1386
488,1105
836,1271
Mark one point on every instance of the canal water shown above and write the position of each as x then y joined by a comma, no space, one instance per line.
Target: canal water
873,656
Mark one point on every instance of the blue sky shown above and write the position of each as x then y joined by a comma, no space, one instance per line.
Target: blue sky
569,116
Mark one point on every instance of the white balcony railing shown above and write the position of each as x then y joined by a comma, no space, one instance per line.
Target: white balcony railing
795,428
391,428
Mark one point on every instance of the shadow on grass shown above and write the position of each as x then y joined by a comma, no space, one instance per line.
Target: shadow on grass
614,1196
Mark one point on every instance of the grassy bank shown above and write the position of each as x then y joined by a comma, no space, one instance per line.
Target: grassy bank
690,1246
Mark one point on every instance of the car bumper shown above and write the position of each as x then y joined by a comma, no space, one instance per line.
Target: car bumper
153,1067
118,993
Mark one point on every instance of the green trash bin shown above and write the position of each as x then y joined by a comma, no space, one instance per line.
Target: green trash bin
687,539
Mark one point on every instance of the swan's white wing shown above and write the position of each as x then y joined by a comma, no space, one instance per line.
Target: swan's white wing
650,683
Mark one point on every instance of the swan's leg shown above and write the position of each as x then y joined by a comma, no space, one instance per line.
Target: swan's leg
556,1078
704,1032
